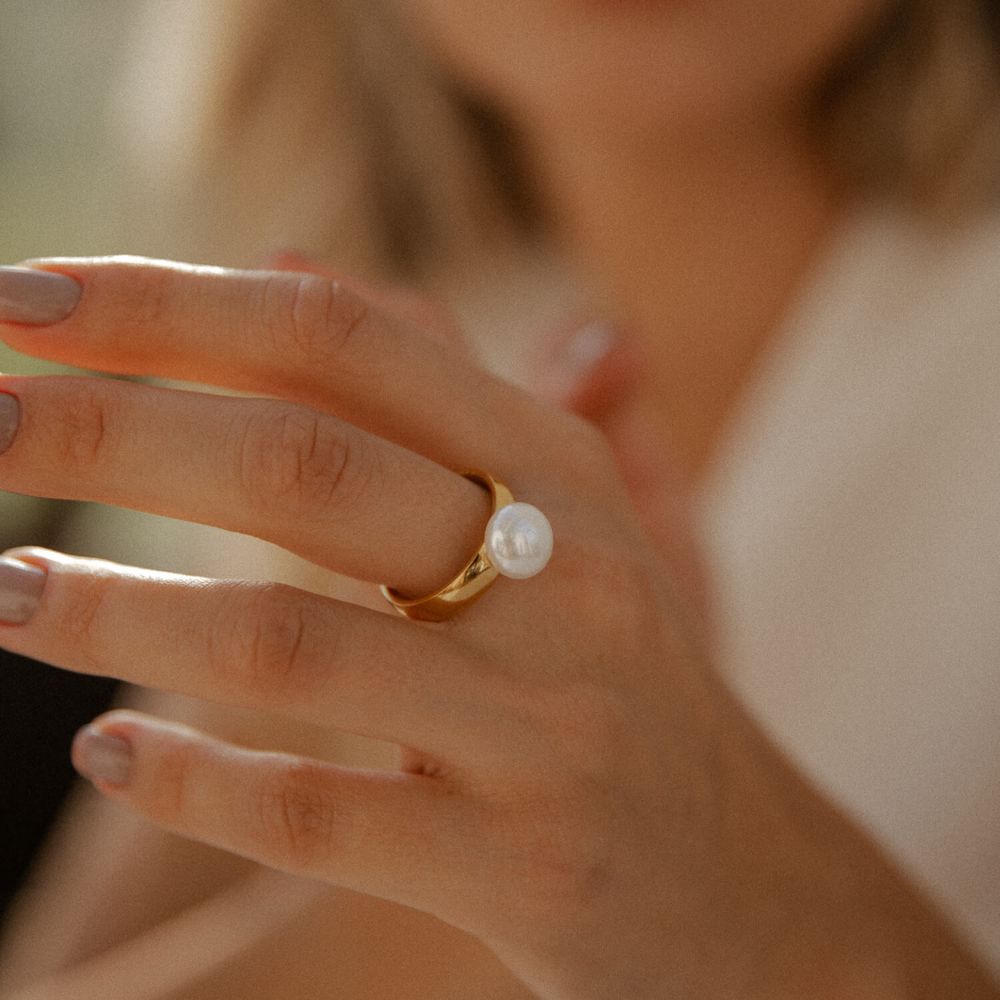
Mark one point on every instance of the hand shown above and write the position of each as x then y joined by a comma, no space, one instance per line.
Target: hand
596,371
575,787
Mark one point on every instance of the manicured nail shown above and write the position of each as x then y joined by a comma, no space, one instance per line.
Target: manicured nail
21,586
99,756
30,295
10,418
578,355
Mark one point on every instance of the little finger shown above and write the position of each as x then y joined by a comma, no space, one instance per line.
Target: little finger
404,837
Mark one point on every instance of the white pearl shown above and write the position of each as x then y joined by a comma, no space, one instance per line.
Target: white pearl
519,540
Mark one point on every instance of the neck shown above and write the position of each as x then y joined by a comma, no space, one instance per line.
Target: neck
699,247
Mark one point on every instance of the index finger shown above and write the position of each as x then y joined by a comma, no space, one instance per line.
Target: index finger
305,337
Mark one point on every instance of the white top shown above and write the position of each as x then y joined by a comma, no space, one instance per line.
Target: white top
851,524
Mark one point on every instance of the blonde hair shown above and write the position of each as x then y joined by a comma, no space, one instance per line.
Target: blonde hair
315,126
319,125
913,112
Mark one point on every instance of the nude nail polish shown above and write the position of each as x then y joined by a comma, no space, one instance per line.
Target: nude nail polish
99,756
21,586
36,297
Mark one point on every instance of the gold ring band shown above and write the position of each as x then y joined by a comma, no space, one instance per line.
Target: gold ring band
470,584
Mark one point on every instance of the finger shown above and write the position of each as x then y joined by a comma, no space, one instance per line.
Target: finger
408,838
594,371
300,336
254,645
301,479
588,369
661,497
398,302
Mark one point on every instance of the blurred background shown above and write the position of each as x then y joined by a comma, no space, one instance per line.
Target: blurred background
112,110
80,97
61,171
100,102
60,154
61,160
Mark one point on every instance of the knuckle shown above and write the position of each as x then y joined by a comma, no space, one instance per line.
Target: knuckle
295,816
260,646
87,617
153,293
177,770
81,431
295,462
313,316
561,862
577,870
614,593
561,830
138,295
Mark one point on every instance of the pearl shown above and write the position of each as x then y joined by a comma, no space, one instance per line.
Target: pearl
519,540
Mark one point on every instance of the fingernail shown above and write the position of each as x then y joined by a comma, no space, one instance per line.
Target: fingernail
99,756
285,259
578,355
10,419
30,295
21,586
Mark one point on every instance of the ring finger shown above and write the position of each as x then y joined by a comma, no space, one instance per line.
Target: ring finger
259,646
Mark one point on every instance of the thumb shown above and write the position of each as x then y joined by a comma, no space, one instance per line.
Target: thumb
661,495
588,368
594,371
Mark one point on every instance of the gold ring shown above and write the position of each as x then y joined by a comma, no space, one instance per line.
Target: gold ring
517,543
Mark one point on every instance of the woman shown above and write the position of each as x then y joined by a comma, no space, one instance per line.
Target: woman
577,789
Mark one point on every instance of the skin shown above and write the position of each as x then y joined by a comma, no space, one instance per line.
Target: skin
584,798
580,794
699,270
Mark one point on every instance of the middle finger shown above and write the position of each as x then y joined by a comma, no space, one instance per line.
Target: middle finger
307,481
